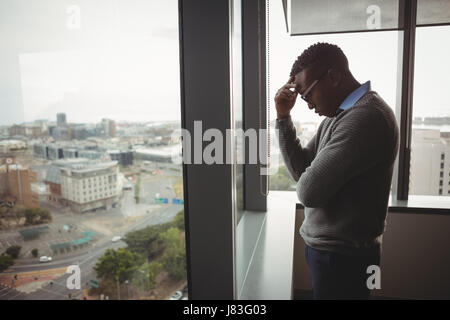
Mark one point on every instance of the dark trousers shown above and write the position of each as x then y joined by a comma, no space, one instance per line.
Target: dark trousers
339,276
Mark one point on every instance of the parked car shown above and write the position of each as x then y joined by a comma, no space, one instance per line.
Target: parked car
176,296
116,238
45,259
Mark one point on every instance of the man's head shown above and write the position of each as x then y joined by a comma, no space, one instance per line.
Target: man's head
323,78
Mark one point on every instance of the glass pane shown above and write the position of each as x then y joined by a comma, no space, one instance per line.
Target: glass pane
372,56
433,11
309,16
430,153
89,97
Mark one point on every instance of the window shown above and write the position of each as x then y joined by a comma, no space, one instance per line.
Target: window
431,111
361,49
92,76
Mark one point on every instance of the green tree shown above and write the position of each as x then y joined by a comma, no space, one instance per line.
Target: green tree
31,216
282,180
5,262
107,287
45,215
37,216
17,213
35,252
3,212
145,277
178,221
118,264
175,258
14,251
137,189
147,241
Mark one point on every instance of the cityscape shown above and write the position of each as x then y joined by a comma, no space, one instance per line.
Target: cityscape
430,155
74,193
80,194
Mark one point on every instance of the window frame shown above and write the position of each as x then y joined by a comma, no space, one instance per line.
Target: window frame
405,84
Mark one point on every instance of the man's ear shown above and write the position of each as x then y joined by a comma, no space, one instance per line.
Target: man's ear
335,77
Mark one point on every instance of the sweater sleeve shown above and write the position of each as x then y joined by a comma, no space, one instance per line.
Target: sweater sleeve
296,157
358,142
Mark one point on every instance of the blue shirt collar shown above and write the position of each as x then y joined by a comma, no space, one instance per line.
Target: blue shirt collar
353,97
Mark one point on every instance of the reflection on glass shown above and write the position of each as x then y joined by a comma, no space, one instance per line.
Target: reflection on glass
433,11
309,16
91,202
430,153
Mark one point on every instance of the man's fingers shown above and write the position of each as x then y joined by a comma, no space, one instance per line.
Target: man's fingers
289,85
287,96
288,91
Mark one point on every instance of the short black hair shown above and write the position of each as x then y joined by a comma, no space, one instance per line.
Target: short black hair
321,54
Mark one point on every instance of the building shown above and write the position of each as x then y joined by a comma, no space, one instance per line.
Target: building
53,181
70,153
430,165
17,130
90,154
40,150
11,145
124,158
157,154
109,127
78,133
53,178
18,183
61,120
54,152
29,130
90,186
61,133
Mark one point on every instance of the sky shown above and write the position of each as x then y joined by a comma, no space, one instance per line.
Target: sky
119,59
372,56
104,59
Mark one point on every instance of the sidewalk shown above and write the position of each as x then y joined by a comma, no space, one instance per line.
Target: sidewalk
25,281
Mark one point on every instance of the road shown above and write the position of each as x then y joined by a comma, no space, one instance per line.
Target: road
86,261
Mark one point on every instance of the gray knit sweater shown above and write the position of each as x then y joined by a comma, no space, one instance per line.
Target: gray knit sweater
344,176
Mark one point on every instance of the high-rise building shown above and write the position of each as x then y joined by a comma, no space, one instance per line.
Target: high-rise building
430,165
124,158
109,127
61,120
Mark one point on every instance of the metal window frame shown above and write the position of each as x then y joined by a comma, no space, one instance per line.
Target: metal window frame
404,107
254,95
211,273
204,31
405,85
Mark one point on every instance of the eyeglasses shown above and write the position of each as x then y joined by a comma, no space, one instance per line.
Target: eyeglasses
308,90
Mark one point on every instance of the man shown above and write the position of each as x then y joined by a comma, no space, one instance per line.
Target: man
343,174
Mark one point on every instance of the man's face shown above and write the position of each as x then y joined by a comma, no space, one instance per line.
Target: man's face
320,96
